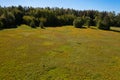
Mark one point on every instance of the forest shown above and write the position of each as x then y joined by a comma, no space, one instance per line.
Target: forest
11,17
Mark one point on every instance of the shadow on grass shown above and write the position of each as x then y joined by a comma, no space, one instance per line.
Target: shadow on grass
82,27
115,30
7,28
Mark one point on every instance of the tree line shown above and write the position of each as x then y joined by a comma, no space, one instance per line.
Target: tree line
11,17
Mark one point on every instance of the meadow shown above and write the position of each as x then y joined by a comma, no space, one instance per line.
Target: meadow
61,53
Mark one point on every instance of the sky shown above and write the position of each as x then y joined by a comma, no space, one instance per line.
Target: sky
101,5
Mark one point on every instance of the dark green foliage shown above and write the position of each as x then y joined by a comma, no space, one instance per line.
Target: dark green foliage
104,23
32,24
117,20
112,18
29,20
51,19
8,20
18,16
87,21
78,23
1,25
66,19
42,21
13,16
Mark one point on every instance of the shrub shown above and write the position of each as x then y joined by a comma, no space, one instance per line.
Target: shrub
29,20
78,23
104,24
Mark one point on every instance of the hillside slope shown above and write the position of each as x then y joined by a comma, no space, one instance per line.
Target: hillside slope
61,53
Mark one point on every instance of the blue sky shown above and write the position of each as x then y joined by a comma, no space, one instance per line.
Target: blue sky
101,5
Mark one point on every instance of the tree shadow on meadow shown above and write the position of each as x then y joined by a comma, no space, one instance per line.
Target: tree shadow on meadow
115,30
82,27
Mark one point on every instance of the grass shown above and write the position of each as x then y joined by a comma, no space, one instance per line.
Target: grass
61,53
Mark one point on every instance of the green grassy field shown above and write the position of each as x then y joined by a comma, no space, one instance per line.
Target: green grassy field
61,53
